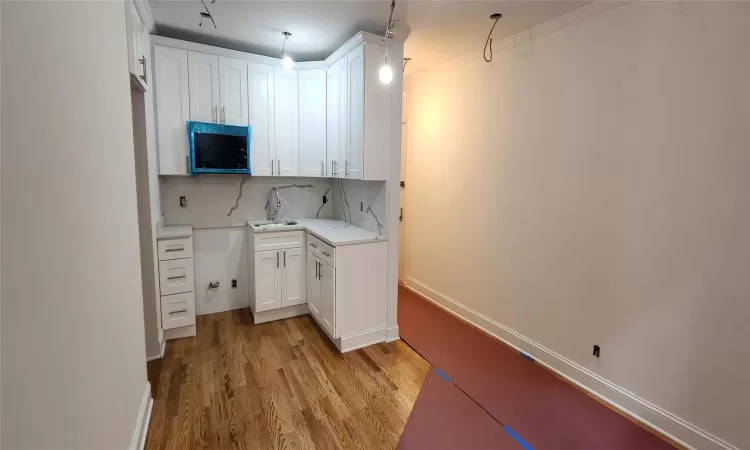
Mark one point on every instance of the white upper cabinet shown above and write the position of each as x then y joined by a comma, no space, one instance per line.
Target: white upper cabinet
204,87
172,109
262,144
286,122
355,150
138,47
233,91
312,122
336,118
329,122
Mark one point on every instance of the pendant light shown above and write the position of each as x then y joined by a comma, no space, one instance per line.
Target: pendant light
286,60
386,71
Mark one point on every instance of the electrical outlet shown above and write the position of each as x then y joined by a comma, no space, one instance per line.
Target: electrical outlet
325,199
597,351
183,201
234,283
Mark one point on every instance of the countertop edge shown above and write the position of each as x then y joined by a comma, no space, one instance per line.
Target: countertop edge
319,236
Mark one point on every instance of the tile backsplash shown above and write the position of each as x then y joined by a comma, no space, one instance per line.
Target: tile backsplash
212,200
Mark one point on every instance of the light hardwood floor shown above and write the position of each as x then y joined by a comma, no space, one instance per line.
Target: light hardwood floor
279,385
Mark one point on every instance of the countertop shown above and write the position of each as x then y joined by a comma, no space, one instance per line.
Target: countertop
333,232
174,231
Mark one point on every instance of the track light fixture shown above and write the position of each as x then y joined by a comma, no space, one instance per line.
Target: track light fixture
206,14
494,17
386,71
286,60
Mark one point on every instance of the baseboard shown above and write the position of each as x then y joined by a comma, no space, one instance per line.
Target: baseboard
278,314
643,411
361,340
392,334
138,441
179,333
161,352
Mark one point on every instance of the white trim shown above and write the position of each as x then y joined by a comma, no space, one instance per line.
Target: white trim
179,333
138,441
161,352
282,313
660,420
392,334
251,57
360,340
141,6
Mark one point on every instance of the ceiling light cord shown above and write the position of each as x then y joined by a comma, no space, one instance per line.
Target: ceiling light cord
286,60
488,42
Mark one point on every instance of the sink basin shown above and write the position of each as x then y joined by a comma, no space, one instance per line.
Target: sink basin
266,226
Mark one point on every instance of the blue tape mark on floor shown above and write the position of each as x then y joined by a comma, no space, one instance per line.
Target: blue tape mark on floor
525,356
442,375
518,439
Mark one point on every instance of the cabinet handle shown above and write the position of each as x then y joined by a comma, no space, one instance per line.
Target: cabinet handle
176,278
277,260
143,63
278,167
181,248
322,169
178,312
317,269
313,245
223,115
327,254
213,114
272,166
284,258
333,168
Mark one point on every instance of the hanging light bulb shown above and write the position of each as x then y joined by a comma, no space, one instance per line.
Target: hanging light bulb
386,73
286,60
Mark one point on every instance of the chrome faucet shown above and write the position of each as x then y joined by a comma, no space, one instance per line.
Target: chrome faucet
274,204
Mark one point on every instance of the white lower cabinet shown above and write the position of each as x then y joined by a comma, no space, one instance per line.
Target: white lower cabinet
277,276
177,287
322,293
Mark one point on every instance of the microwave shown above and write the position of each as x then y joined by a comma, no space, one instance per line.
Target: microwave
218,148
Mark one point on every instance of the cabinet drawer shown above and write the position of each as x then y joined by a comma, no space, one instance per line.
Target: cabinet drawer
322,250
282,239
178,310
176,276
175,249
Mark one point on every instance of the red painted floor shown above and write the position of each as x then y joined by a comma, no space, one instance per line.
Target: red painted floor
545,411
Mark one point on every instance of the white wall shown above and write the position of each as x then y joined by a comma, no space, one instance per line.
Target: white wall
590,187
73,372
220,254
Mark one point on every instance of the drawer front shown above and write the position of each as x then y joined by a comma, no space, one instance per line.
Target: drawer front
178,310
322,250
176,276
175,249
276,241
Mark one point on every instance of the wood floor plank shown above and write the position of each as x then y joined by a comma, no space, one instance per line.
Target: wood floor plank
280,385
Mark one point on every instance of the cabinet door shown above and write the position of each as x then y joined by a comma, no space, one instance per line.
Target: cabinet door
312,122
172,109
233,91
204,87
262,145
313,285
328,298
285,122
336,119
144,44
293,277
355,149
267,280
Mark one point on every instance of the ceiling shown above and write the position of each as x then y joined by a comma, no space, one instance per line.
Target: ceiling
439,30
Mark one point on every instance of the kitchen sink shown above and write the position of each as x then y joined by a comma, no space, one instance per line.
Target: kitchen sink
266,226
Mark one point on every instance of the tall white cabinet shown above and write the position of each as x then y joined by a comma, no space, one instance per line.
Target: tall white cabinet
285,122
261,108
172,109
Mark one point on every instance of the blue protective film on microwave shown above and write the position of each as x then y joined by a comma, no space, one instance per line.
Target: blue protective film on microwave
216,128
